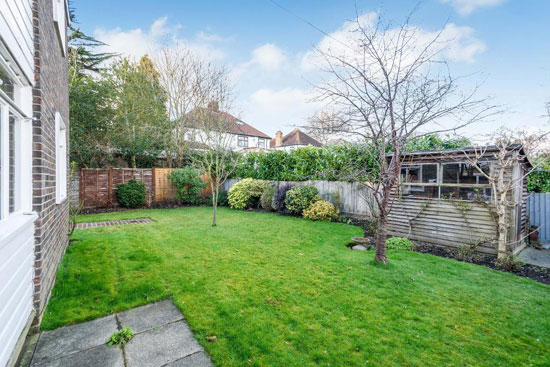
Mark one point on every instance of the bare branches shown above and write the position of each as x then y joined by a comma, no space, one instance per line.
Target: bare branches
390,86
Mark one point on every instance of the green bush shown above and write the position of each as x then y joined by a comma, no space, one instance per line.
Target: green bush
246,193
266,200
299,198
278,202
207,200
538,181
399,243
131,194
188,184
321,210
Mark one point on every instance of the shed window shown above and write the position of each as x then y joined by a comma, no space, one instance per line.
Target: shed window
464,173
457,181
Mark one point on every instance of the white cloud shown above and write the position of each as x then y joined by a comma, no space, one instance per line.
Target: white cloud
265,58
461,44
465,7
270,110
268,56
137,42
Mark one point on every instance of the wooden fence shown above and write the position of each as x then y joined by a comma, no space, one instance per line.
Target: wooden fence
97,187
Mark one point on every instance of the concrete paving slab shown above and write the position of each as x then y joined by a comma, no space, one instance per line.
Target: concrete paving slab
536,257
194,360
159,346
74,338
102,356
149,316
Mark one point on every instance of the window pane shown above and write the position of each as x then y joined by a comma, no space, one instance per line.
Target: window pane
450,172
6,84
410,174
429,173
466,193
470,174
11,162
420,191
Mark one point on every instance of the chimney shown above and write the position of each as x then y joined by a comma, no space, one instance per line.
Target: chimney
214,106
278,139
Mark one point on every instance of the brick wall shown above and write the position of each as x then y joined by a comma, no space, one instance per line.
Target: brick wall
50,94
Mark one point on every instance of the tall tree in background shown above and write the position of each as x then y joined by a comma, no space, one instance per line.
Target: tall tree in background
89,99
180,73
139,111
392,86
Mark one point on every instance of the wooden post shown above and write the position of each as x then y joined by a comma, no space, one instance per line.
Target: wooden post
154,184
110,186
81,196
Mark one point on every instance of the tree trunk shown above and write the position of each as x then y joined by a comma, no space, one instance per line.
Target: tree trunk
133,163
502,229
380,255
215,189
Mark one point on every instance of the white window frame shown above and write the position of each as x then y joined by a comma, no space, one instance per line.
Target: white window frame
263,143
244,140
60,159
23,158
61,21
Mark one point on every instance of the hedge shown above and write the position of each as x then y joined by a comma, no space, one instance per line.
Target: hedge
330,163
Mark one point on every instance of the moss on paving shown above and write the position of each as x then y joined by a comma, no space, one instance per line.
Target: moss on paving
282,291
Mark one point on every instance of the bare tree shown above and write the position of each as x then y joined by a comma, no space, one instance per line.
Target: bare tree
211,128
180,75
320,126
503,177
390,86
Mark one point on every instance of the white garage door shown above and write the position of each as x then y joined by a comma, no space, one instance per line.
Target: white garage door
16,287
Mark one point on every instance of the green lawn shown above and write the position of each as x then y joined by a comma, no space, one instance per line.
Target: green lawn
282,291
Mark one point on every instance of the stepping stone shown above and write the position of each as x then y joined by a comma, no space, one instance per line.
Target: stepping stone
94,357
149,316
194,360
74,338
359,248
159,346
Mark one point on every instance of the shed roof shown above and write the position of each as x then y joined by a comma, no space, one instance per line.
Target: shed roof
486,149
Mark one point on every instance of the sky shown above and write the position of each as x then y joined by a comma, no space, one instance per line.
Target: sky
501,45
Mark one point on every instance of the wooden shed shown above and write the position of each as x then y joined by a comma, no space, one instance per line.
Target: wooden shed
444,200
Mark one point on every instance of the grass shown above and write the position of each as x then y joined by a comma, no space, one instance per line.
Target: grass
282,291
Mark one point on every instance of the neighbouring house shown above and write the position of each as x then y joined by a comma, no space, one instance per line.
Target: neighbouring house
443,200
34,123
294,139
245,137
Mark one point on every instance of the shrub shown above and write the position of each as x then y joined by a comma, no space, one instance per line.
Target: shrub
321,210
266,199
131,194
207,200
399,243
188,184
299,198
278,202
246,193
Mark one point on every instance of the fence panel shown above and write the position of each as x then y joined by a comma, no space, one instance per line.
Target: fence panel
98,186
351,196
538,210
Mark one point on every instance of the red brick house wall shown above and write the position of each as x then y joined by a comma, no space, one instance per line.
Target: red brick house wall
50,95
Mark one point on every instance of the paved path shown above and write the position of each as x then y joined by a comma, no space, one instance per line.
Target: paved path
110,223
162,339
536,257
